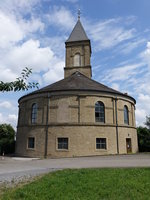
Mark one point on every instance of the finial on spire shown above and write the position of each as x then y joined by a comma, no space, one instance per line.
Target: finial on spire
79,13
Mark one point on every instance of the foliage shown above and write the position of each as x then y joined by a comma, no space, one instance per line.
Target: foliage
110,184
147,123
20,83
143,139
7,134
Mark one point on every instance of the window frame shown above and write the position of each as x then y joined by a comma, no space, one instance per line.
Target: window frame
126,115
77,60
63,144
19,115
101,143
28,147
34,112
99,105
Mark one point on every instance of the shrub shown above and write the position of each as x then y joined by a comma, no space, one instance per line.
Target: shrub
7,141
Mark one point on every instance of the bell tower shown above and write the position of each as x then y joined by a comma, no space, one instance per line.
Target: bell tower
78,52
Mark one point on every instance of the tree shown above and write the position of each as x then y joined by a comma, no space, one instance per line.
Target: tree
143,139
147,123
20,83
7,139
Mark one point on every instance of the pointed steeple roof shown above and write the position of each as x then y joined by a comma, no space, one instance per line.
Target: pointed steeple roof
78,33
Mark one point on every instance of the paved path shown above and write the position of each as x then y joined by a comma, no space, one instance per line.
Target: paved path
12,169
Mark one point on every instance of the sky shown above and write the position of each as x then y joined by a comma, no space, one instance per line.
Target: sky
33,35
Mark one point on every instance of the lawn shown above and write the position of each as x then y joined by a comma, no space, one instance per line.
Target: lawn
87,184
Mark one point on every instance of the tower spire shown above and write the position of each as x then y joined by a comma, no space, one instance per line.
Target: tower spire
79,12
78,51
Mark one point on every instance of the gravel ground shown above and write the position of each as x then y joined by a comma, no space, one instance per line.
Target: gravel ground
15,170
12,179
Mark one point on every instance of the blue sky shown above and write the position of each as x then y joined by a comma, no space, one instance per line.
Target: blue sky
33,32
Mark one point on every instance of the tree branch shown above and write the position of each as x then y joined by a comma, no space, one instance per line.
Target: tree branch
20,83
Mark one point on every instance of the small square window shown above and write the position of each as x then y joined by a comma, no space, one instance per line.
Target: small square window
62,143
31,143
100,143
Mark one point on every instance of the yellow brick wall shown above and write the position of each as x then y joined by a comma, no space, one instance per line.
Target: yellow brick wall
73,116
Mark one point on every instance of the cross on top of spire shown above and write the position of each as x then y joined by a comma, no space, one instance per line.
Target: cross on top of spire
79,12
78,33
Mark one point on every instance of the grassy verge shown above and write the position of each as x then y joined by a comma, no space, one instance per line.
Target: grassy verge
87,184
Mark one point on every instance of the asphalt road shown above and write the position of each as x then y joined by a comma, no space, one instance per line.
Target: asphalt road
18,169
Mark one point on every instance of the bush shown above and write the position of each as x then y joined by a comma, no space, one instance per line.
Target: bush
7,142
143,139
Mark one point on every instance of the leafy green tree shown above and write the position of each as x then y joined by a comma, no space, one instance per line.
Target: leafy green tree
147,123
143,139
20,83
7,139
7,133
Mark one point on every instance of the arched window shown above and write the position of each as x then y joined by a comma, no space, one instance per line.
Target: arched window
34,113
126,115
77,60
99,112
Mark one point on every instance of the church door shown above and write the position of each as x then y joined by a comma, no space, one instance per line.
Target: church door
128,145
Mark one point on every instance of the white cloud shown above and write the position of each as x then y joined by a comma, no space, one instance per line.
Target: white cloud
115,86
144,98
143,84
9,119
56,44
146,55
109,33
143,81
140,116
7,74
143,108
17,51
29,54
32,25
128,47
18,6
61,17
5,104
36,77
55,73
12,118
122,73
15,30
10,31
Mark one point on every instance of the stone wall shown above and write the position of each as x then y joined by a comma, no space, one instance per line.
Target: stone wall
73,116
23,133
84,49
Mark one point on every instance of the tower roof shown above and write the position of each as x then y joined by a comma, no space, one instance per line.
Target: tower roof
78,33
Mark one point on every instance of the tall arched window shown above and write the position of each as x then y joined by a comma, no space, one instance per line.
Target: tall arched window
99,112
77,60
34,113
126,115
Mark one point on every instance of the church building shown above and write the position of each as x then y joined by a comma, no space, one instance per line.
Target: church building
76,116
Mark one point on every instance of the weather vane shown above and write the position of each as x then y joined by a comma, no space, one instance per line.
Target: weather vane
79,13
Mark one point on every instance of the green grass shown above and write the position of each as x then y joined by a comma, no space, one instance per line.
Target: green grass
87,184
